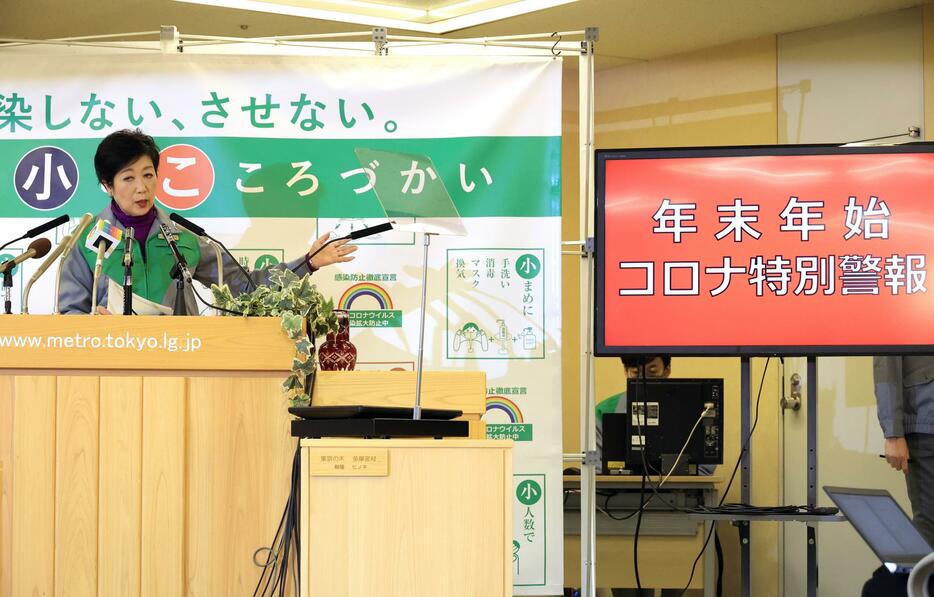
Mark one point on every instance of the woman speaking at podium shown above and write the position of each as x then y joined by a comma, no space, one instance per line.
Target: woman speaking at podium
127,164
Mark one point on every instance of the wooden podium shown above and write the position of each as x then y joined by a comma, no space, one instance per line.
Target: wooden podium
420,518
151,455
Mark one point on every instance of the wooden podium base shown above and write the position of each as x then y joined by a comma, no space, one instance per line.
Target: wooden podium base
419,518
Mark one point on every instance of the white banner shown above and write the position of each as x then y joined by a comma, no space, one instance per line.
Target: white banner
264,158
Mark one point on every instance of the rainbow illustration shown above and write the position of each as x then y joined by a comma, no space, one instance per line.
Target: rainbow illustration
365,289
507,406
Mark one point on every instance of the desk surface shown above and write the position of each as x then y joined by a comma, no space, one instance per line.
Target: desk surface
681,480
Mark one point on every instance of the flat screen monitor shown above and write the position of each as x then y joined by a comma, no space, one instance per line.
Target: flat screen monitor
663,413
821,250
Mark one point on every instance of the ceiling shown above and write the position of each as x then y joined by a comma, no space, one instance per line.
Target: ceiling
630,30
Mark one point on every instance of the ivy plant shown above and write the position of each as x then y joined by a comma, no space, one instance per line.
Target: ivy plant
295,300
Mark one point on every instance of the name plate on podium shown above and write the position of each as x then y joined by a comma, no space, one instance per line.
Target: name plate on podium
357,462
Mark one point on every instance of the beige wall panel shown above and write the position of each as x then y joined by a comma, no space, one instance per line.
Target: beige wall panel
33,481
239,459
6,484
162,558
121,443
852,80
928,74
76,486
718,96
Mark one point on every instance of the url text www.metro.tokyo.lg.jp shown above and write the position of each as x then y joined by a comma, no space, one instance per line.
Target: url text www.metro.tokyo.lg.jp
166,342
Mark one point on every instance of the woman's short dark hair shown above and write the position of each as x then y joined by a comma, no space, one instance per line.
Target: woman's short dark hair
120,149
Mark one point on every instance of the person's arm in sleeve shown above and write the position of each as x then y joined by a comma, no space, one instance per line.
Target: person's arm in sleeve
74,290
887,379
206,272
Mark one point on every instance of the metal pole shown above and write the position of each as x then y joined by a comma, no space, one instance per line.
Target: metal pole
543,36
14,41
812,473
588,534
544,45
417,411
745,398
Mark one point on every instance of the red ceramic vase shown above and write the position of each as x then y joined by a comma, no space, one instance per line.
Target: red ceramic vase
338,353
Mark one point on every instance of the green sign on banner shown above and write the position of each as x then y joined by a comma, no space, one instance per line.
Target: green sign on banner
265,261
529,492
378,318
517,432
528,266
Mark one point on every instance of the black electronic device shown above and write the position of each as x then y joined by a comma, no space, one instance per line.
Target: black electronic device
614,444
363,411
379,428
359,420
354,235
662,414
882,524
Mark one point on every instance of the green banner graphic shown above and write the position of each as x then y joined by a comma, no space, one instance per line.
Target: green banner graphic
262,177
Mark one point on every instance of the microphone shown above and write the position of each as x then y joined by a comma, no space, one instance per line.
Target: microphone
199,231
128,272
384,227
365,232
186,223
128,247
179,272
37,248
216,244
63,219
102,239
39,229
180,260
103,234
68,248
59,249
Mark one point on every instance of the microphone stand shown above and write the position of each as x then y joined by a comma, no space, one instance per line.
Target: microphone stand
98,265
69,247
8,291
128,272
417,411
179,308
179,271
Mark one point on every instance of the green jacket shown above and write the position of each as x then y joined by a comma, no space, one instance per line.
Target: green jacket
151,278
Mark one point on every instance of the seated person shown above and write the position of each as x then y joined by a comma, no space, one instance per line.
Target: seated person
654,367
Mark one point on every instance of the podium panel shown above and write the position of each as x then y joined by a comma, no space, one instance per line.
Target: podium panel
156,472
430,518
